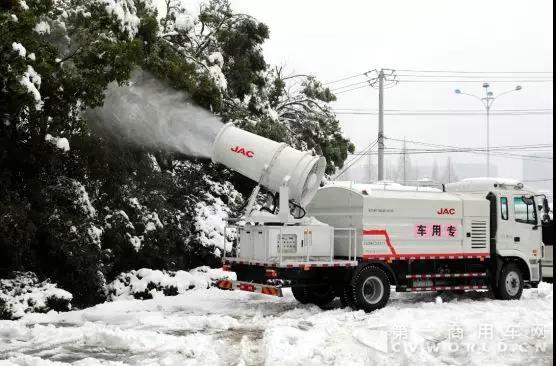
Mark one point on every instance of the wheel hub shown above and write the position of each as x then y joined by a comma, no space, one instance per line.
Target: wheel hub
512,283
373,290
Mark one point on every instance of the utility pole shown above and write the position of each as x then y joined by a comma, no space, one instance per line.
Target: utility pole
383,79
489,100
381,125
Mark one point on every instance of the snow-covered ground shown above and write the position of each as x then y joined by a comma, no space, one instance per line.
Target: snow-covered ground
213,327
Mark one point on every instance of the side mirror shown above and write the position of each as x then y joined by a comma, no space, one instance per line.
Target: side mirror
528,200
546,209
546,206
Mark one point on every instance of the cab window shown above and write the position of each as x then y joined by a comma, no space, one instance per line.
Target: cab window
525,211
505,208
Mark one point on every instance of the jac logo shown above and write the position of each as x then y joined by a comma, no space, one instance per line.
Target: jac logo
243,151
447,211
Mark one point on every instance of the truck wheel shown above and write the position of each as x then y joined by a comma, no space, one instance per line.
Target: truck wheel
371,288
346,297
511,283
301,295
323,296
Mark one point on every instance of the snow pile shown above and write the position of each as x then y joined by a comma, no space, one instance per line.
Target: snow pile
24,294
126,13
148,283
214,327
61,143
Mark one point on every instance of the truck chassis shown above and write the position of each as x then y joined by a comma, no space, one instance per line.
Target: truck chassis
366,283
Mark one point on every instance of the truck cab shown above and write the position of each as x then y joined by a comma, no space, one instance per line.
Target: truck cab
516,226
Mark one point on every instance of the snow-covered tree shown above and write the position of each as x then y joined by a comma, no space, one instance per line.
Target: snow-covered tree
82,207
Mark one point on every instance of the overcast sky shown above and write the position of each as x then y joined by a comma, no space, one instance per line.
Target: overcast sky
335,39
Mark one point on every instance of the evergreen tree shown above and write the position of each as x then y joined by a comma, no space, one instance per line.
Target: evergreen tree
80,207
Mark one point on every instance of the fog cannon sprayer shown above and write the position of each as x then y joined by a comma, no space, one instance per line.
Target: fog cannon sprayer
296,175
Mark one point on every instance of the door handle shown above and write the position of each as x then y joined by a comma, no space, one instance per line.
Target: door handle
517,239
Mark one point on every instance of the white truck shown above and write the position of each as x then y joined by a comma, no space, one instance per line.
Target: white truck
356,243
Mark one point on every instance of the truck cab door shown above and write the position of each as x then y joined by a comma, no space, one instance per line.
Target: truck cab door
528,229
506,224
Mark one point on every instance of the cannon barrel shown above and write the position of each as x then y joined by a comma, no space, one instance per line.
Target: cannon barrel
270,163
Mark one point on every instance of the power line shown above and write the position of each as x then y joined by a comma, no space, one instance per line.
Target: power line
440,110
366,83
481,76
440,151
514,156
354,160
344,79
464,74
507,147
449,113
524,81
349,90
474,72
539,180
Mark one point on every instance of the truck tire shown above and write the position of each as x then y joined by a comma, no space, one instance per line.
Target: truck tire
371,289
301,295
323,296
511,284
346,297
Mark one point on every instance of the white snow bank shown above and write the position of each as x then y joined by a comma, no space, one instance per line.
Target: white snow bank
148,283
61,143
25,294
213,327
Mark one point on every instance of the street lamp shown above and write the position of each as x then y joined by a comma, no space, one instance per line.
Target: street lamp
487,102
